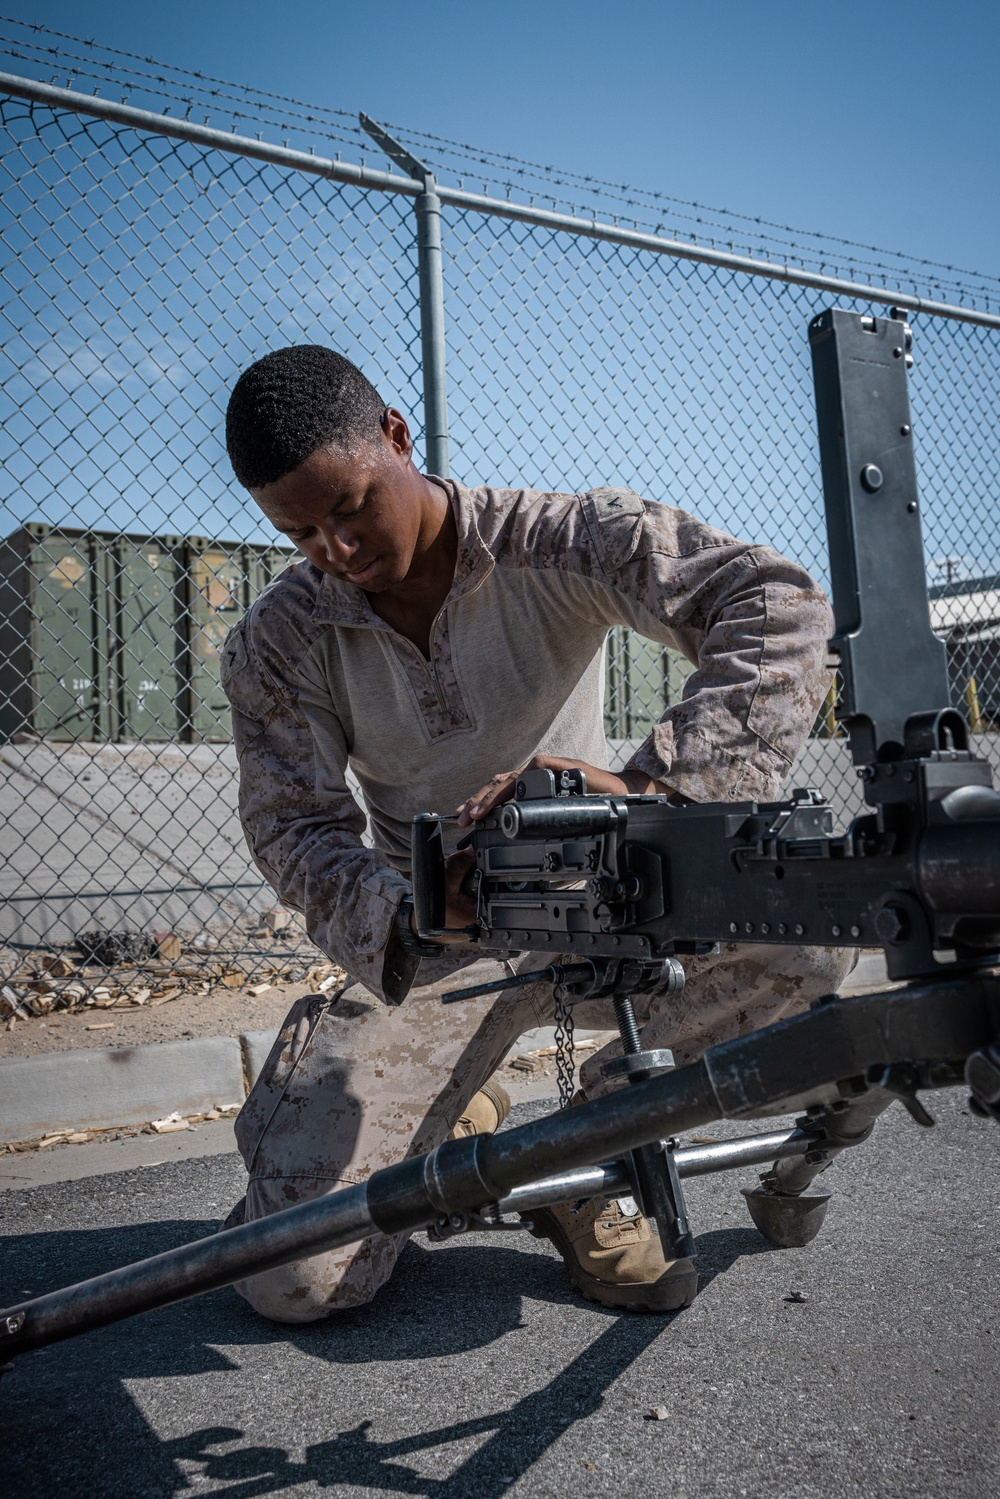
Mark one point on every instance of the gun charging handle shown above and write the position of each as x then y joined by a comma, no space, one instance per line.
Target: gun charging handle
556,974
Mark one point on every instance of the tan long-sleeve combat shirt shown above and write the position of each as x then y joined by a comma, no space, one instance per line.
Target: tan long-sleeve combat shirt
316,681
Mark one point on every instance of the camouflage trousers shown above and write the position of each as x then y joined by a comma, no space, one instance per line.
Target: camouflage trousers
352,1085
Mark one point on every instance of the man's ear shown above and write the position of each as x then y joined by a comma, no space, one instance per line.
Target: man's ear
397,433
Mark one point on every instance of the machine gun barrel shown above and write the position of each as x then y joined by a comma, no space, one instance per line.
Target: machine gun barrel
457,1177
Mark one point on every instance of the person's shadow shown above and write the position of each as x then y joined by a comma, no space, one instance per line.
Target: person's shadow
72,1428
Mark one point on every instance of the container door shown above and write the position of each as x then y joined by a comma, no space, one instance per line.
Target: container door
642,679
69,669
218,598
147,643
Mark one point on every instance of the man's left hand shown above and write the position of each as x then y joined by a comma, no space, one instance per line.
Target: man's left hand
600,782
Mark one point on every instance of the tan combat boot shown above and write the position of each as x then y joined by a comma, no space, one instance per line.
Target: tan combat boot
614,1256
484,1113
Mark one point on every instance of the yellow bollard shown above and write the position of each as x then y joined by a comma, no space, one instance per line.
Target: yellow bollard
972,703
829,714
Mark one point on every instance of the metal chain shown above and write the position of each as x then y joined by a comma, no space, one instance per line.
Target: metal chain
563,1016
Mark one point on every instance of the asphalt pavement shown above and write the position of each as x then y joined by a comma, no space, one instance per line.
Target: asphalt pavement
478,1372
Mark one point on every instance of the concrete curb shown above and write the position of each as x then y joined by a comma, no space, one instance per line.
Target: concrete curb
97,1089
256,1047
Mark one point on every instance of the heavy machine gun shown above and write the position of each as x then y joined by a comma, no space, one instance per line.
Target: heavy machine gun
637,878
617,889
620,886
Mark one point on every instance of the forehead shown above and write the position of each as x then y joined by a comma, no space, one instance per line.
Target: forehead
327,477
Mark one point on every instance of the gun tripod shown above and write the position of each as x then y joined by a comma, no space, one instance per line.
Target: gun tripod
783,1207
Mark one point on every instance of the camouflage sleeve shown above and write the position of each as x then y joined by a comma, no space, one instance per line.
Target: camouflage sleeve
754,624
302,824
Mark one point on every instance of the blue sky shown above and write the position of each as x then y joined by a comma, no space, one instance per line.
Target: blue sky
875,120
130,312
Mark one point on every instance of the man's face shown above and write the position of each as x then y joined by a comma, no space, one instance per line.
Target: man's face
355,514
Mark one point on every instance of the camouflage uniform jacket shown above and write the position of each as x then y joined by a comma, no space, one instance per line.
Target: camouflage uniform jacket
317,680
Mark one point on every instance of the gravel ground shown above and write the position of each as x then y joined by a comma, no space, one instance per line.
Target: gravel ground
477,1372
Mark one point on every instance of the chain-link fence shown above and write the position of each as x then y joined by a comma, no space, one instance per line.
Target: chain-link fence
144,264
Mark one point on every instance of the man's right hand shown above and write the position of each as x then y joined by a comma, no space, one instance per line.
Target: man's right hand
599,783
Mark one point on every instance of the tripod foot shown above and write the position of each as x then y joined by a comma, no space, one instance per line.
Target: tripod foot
788,1222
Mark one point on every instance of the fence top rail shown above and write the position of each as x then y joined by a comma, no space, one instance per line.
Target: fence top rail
366,177
205,135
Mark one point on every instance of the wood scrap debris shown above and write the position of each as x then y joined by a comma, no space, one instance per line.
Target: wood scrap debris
45,982
73,1136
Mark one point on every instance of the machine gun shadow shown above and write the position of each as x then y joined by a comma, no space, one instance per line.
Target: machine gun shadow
617,888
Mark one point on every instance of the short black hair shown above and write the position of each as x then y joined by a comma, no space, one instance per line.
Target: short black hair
292,402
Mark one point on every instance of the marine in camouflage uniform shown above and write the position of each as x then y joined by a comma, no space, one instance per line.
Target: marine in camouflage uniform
513,670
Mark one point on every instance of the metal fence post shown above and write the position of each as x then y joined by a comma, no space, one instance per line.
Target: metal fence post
428,206
432,328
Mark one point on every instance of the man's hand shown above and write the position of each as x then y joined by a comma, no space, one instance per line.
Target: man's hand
599,782
460,907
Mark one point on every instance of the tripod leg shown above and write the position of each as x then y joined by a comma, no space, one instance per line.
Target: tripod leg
660,1196
653,1169
783,1207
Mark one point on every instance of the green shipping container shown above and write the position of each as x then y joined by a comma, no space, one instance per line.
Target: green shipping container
105,636
642,679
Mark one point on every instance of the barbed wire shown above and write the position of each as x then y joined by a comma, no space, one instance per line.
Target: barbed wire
175,68
352,134
567,177
329,122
